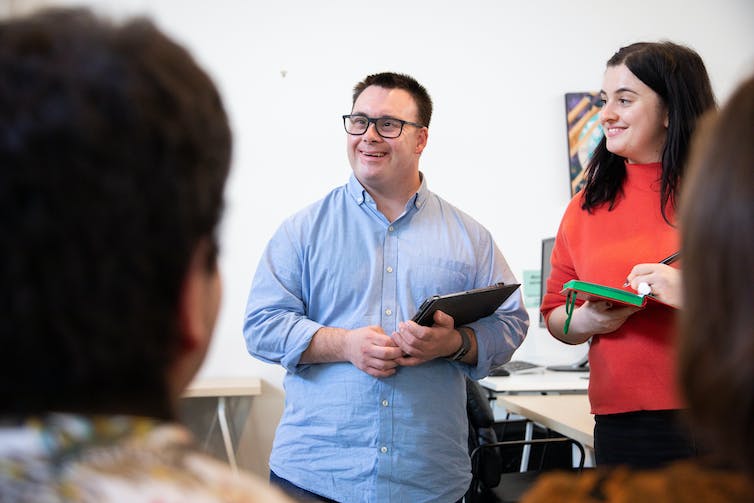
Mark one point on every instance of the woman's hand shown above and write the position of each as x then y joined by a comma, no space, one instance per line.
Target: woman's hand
589,319
600,317
664,282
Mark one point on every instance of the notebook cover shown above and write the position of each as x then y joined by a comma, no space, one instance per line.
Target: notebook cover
593,291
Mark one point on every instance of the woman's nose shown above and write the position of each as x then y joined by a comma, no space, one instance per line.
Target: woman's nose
607,112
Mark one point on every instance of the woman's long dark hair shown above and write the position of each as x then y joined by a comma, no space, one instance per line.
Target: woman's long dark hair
678,75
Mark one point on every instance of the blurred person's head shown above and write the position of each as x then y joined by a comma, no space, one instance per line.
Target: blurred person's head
114,151
717,323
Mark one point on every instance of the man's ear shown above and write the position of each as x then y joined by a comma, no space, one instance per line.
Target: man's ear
422,137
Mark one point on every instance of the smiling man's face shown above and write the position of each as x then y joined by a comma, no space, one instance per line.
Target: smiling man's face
386,164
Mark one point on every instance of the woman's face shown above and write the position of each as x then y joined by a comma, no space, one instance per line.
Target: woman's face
633,117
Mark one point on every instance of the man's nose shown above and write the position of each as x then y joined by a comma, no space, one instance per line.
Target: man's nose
371,133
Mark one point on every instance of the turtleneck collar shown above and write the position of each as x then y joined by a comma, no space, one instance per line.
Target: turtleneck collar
644,176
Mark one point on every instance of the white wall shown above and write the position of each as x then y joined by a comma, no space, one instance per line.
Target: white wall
497,71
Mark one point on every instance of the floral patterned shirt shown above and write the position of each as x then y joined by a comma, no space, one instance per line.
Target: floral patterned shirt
101,459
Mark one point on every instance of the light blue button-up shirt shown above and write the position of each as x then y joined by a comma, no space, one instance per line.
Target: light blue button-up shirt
339,263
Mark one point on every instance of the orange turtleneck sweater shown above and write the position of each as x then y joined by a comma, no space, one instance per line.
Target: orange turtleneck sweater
632,368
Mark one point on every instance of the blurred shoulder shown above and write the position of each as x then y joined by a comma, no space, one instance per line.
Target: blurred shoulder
683,482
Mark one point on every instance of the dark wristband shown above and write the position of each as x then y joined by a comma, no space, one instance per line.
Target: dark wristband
465,345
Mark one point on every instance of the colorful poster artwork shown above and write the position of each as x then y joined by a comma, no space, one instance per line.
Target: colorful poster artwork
584,133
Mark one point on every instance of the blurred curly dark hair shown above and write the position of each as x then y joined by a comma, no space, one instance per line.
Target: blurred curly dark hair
114,151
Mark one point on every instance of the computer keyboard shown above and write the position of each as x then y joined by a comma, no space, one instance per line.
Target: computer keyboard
516,367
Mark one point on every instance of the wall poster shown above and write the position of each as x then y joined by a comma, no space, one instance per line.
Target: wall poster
584,133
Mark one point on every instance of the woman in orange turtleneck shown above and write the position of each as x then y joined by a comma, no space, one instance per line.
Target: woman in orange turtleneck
618,228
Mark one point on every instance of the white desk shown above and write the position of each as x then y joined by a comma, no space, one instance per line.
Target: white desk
547,384
547,381
566,414
222,388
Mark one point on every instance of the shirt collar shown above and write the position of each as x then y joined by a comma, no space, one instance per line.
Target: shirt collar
360,194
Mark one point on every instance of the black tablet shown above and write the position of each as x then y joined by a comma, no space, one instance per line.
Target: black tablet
465,307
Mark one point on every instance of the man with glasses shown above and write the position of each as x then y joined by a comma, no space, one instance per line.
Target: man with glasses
375,404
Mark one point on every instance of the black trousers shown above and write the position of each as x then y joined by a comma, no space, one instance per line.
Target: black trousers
295,492
299,494
642,439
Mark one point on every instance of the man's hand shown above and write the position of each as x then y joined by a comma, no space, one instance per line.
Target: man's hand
420,344
368,348
372,351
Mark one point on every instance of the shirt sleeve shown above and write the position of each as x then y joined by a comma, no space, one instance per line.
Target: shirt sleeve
276,328
501,333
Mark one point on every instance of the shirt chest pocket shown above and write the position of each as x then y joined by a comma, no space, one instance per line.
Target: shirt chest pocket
438,276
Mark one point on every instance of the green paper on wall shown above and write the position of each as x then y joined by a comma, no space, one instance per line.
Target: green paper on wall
532,281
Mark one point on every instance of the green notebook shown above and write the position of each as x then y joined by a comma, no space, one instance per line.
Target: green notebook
584,290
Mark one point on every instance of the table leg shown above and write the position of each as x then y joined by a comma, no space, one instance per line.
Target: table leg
589,460
526,452
225,429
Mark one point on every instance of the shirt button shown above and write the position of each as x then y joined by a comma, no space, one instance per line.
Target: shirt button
388,312
383,449
390,228
385,403
389,269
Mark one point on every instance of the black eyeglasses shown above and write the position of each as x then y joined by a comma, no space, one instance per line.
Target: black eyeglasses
387,127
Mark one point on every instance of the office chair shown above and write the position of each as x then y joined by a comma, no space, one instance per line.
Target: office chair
490,482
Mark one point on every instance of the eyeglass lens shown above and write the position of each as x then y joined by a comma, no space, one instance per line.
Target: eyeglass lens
386,126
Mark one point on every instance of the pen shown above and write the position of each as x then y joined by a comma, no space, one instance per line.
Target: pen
667,261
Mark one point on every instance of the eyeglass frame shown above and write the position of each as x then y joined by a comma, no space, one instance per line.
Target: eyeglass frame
373,120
